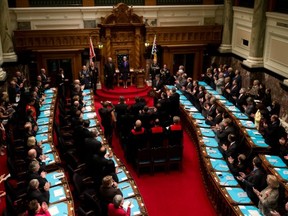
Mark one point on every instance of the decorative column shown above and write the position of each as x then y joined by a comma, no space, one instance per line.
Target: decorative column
226,45
108,42
3,74
137,48
255,58
6,33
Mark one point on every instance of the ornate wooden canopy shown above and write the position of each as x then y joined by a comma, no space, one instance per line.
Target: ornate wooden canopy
122,14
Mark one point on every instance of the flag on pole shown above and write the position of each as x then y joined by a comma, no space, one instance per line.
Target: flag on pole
91,51
154,48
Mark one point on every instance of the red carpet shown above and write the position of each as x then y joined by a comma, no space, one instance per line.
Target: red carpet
130,93
177,193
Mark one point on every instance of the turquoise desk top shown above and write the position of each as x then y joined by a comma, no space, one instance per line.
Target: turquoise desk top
239,115
283,172
114,160
211,142
59,209
42,137
213,152
126,189
249,210
226,179
48,101
202,83
88,109
47,91
207,132
275,161
248,124
49,95
89,115
197,116
54,178
179,92
192,109
238,195
187,103
187,107
182,97
99,138
42,129
87,97
44,114
226,102
135,208
253,133
57,194
88,103
92,122
202,124
169,86
121,175
87,91
46,148
219,165
233,109
43,121
45,107
259,141
50,159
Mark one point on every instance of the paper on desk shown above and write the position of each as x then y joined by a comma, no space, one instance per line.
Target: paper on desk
89,108
136,213
126,203
54,210
253,212
58,192
91,115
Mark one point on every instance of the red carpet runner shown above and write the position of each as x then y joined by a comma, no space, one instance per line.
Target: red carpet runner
177,193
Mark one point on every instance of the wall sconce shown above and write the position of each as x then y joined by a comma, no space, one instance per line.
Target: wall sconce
100,45
147,44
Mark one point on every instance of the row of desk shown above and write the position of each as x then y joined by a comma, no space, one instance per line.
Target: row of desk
126,183
61,200
225,192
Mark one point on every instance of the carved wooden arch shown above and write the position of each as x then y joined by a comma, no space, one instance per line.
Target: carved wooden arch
122,14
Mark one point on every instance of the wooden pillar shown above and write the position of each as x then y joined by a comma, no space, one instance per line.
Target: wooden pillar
22,3
88,3
137,47
108,42
150,2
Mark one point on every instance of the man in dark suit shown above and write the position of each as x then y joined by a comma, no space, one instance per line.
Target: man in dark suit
157,86
124,68
35,193
107,120
109,73
241,100
230,150
174,100
223,132
94,76
33,173
121,109
255,179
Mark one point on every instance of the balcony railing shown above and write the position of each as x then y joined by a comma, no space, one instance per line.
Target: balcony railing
55,3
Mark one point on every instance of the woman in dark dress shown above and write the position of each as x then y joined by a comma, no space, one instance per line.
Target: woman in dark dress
124,70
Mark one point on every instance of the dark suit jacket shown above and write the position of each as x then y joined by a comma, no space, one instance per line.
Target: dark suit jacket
108,193
35,175
222,135
109,70
256,179
40,196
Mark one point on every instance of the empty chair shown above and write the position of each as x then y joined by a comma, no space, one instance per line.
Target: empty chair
175,137
143,159
82,184
159,158
175,155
